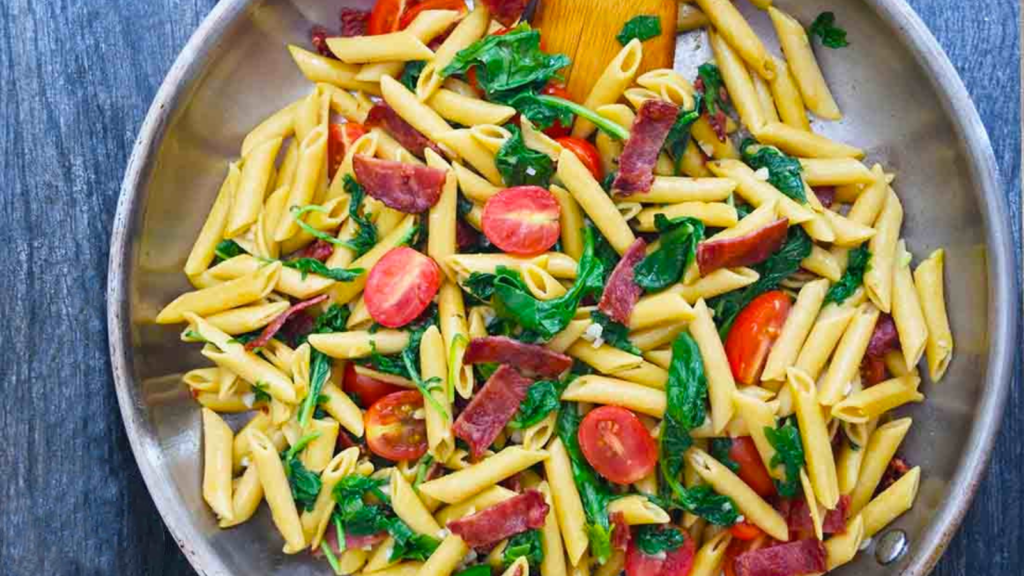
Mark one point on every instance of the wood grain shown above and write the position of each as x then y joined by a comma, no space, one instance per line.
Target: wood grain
76,79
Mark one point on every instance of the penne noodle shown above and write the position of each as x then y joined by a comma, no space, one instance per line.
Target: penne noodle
797,48
610,85
931,294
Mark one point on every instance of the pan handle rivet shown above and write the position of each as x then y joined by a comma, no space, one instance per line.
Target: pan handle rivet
891,546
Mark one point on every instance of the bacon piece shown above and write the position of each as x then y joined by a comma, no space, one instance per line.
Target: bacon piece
385,117
884,338
503,520
636,164
351,541
506,11
318,38
621,292
465,235
790,559
529,359
405,187
873,370
620,531
742,251
826,195
491,409
319,250
894,471
271,329
354,21
801,526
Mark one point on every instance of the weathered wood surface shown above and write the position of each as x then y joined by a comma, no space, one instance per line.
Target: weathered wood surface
76,79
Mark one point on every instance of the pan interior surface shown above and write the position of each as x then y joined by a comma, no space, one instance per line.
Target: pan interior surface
902,103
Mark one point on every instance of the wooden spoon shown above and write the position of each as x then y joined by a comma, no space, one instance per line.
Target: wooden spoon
585,31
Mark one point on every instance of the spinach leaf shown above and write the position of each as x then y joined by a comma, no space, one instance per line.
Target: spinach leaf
260,394
549,317
478,570
359,518
334,319
319,372
480,285
410,545
542,397
614,333
663,267
411,74
305,484
562,106
520,165
679,135
595,493
655,538
719,450
783,171
644,27
542,114
313,266
824,26
858,261
366,234
772,271
789,452
711,77
508,64
226,250
528,544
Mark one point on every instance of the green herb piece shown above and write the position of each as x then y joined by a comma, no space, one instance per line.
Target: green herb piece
408,544
227,249
542,398
313,266
679,135
298,212
789,452
549,317
483,371
783,171
614,333
561,105
259,390
858,261
422,468
719,450
711,77
334,319
360,518
525,544
652,539
319,371
520,165
305,484
411,74
480,285
424,386
331,558
508,64
478,570
663,267
595,493
772,272
824,26
366,233
642,27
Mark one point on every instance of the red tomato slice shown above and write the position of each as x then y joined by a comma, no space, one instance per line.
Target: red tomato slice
339,138
411,14
755,330
557,130
384,17
745,531
587,154
400,287
392,429
752,471
522,220
678,562
367,388
617,444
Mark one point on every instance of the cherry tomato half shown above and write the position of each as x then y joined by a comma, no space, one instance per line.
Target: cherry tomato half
617,444
745,531
366,387
392,429
339,138
557,130
755,330
752,471
522,220
384,17
411,14
586,152
678,562
400,286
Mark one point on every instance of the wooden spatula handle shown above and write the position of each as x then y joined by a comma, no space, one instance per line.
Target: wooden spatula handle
585,30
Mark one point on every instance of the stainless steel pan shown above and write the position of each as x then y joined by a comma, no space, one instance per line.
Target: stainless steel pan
903,103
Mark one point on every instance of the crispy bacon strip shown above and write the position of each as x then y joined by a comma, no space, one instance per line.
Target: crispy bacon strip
491,409
319,250
790,559
271,329
506,11
636,164
503,520
385,117
620,531
883,339
354,21
405,187
621,292
801,526
529,359
826,195
351,541
742,251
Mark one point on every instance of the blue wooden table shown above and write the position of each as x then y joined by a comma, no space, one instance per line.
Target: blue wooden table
76,79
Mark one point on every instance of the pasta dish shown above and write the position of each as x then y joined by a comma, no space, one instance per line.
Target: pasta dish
458,323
